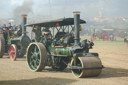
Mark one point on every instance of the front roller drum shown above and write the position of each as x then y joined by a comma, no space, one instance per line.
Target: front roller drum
87,67
36,56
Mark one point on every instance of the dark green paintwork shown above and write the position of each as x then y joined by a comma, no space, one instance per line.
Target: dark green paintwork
63,51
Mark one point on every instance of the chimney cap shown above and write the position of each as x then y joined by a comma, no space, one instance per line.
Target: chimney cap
76,12
24,15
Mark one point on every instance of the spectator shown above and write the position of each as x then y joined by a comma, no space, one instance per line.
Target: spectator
37,30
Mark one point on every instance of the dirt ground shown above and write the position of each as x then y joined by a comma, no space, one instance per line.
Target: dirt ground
114,56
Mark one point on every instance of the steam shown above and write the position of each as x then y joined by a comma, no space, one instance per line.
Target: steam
25,8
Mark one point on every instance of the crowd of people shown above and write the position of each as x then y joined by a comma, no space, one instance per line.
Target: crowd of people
7,31
6,28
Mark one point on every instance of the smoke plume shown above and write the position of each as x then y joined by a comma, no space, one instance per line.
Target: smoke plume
25,8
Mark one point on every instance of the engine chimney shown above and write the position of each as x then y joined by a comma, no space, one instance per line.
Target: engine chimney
77,28
24,21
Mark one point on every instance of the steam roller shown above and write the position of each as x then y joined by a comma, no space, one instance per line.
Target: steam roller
64,48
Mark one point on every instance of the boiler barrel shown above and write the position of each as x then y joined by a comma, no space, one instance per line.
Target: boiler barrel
63,51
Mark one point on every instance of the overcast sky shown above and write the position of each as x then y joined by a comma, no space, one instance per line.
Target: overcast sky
64,8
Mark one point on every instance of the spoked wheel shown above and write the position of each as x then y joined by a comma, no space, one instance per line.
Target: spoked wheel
13,53
36,56
61,65
87,67
2,45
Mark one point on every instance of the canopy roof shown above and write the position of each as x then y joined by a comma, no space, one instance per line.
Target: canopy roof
56,22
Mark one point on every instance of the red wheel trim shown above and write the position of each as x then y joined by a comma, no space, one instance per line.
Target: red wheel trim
12,52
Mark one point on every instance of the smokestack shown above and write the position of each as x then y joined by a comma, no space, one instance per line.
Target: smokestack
77,28
24,21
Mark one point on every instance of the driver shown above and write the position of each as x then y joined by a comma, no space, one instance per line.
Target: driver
37,30
47,36
47,32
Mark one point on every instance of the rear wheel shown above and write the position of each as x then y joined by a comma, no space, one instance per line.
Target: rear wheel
2,45
13,53
36,56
